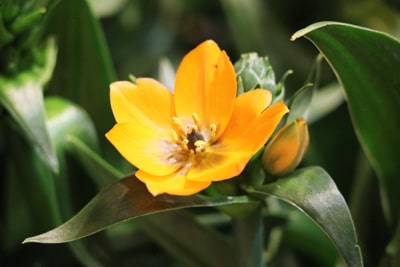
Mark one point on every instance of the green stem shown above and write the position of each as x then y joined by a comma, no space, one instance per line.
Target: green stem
249,239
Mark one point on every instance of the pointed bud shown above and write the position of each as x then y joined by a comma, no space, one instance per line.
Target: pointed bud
286,149
254,72
27,21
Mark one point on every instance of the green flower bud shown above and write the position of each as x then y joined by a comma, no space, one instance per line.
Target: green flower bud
26,21
254,72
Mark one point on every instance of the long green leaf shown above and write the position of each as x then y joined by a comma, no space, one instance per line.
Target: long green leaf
313,191
22,97
84,68
126,199
169,229
367,64
66,120
172,229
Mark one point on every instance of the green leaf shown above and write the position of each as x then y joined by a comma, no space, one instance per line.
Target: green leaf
324,101
124,200
64,119
84,68
172,233
300,103
172,229
367,65
313,191
22,97
392,251
101,172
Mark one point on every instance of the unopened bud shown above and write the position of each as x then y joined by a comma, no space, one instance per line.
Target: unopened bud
286,149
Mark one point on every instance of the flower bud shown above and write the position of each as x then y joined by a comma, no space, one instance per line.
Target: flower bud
286,149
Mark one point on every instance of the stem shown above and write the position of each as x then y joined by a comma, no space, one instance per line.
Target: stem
249,239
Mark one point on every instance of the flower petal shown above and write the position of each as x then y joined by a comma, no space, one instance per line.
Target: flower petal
249,130
205,84
220,165
146,98
248,108
174,184
147,148
250,127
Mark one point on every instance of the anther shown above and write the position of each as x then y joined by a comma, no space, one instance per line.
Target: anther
199,143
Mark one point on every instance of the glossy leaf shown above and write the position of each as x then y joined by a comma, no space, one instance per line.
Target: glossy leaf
325,101
169,229
367,65
172,229
65,119
71,185
84,68
313,191
300,103
101,172
22,97
126,199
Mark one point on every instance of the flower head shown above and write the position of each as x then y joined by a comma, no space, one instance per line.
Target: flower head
201,133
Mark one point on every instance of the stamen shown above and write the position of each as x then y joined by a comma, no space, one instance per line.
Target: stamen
196,120
185,143
190,137
213,130
174,135
178,122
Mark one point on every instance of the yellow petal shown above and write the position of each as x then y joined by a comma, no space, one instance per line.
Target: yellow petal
174,184
248,108
147,98
261,130
147,148
219,165
251,126
206,84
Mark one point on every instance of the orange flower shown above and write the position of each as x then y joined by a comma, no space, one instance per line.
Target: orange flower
201,133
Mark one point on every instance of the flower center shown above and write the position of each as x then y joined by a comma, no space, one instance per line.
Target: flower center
192,138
